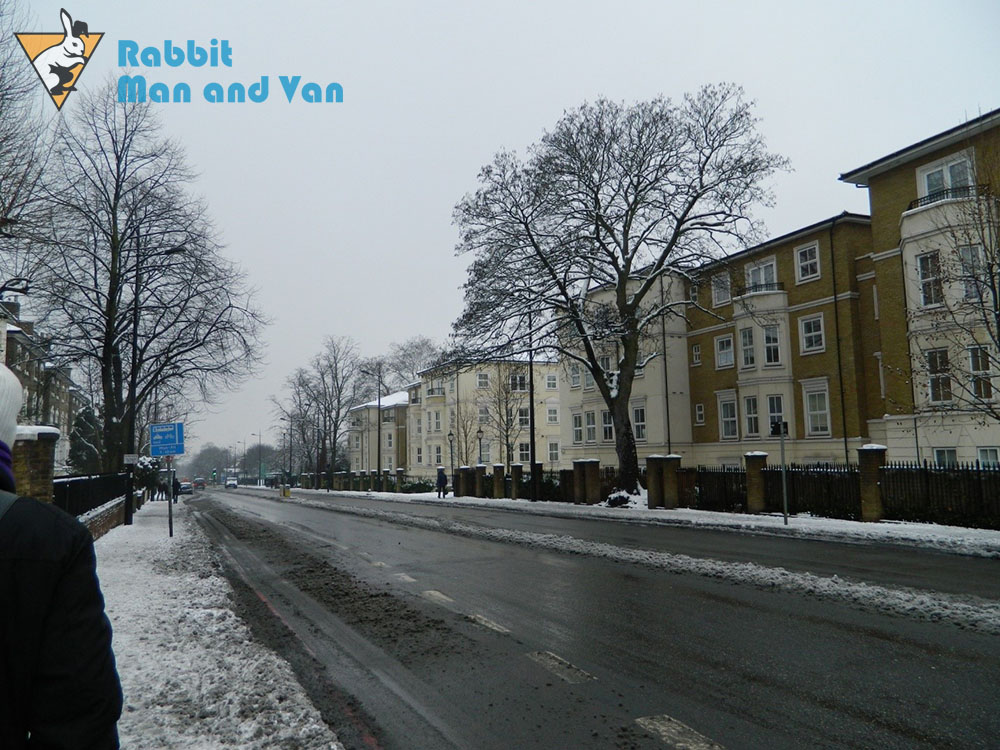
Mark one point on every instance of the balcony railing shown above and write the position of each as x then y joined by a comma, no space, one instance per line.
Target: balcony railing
435,392
771,286
966,191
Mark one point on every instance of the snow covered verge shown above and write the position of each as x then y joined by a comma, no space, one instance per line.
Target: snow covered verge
192,675
952,539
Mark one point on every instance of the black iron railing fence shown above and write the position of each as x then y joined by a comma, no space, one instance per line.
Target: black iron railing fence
958,495
827,490
78,494
965,191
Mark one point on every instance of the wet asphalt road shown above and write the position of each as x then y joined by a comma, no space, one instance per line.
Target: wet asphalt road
448,641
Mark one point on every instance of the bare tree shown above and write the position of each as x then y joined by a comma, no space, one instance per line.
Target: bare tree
336,384
613,198
134,280
406,359
955,321
505,398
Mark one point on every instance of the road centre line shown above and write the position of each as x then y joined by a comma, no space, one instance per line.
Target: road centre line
676,734
560,667
487,623
437,596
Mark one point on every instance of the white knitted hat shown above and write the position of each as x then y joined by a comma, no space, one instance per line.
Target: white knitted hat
11,398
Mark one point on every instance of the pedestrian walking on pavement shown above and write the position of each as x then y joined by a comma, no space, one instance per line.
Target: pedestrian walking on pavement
442,482
59,687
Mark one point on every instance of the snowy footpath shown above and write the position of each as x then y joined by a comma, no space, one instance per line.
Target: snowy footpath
192,676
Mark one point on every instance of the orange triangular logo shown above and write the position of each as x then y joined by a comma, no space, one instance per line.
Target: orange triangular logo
60,57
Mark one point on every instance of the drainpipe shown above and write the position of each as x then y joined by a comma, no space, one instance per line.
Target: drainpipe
836,325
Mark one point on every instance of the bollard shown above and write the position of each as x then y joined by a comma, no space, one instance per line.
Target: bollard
654,481
399,479
755,463
480,480
516,477
498,481
871,458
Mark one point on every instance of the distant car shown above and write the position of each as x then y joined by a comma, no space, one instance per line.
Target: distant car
231,482
186,489
199,483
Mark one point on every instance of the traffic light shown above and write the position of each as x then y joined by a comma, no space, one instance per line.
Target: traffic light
213,476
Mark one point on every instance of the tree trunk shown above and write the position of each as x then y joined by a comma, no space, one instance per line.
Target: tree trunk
628,460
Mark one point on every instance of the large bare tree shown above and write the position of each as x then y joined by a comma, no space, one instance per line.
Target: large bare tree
136,288
610,200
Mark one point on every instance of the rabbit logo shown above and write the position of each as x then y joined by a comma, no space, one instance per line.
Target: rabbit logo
59,58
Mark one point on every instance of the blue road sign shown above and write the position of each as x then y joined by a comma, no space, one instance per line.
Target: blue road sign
166,439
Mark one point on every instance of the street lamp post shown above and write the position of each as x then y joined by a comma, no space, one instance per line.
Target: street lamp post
479,434
260,475
378,420
451,450
244,459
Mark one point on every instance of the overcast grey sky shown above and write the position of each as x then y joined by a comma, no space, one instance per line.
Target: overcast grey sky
341,213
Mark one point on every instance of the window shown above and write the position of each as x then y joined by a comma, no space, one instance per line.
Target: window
811,334
357,442
696,354
607,426
518,383
940,379
816,398
552,415
437,421
699,414
979,366
524,452
761,276
946,456
388,440
720,289
486,452
437,455
420,456
484,415
693,294
750,419
551,382
772,347
746,347
989,456
728,429
605,363
971,258
723,352
553,452
929,270
523,417
639,422
588,378
482,380
577,428
574,376
807,263
947,175
420,425
591,421
775,409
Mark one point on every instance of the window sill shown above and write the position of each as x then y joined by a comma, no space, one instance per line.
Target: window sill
807,352
808,279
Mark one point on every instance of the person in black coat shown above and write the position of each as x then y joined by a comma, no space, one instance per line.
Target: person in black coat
442,482
59,688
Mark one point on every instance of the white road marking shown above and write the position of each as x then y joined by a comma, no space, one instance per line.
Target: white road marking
487,623
560,667
676,734
437,596
405,578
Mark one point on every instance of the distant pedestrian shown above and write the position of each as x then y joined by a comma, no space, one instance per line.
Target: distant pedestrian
442,482
59,687
176,488
161,491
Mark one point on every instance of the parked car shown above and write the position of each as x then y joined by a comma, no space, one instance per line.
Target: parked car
231,482
186,489
199,483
